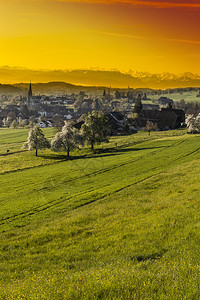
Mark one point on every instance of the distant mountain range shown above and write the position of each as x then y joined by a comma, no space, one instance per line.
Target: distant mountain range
115,79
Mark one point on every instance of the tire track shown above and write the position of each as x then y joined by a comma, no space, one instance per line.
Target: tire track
105,170
81,157
141,180
61,200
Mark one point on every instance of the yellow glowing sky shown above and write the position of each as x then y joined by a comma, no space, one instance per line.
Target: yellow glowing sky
154,36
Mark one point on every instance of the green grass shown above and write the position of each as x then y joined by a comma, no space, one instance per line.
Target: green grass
187,96
120,223
13,139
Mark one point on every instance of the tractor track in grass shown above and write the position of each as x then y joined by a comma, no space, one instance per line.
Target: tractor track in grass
114,167
103,171
62,199
122,164
107,151
141,180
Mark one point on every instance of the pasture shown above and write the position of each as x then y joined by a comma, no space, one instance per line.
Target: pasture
189,96
121,222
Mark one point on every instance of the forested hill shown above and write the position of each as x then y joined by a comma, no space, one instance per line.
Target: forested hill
63,87
10,89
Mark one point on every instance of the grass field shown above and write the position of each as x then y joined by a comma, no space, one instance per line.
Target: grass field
187,96
13,139
120,223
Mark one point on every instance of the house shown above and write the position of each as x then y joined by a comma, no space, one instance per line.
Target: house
166,118
116,121
68,117
10,110
44,124
49,123
180,116
150,106
3,114
42,112
46,111
13,108
60,110
115,104
164,101
68,114
144,116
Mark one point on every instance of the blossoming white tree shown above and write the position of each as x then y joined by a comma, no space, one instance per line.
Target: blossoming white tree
193,123
36,140
66,140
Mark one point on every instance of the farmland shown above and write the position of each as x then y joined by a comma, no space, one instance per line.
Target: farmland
118,223
189,96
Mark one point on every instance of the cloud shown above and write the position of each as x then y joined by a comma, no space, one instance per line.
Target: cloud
158,4
183,41
119,34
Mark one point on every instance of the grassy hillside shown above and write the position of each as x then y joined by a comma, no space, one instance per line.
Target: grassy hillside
120,223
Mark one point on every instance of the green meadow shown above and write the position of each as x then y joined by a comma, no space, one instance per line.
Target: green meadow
122,222
189,96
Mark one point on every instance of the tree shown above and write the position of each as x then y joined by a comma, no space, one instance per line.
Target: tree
117,95
138,104
8,121
150,126
24,110
32,121
95,129
36,140
58,122
131,119
66,140
81,95
42,118
21,122
12,115
78,103
193,123
124,106
97,104
14,124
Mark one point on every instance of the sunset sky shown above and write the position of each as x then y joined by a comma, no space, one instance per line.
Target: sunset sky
154,36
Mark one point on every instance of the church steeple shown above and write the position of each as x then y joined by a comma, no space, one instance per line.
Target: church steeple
30,93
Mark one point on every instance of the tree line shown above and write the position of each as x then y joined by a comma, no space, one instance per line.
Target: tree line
94,130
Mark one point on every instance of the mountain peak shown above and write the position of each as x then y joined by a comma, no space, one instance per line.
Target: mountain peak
90,77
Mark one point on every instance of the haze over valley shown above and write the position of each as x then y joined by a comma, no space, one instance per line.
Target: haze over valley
88,77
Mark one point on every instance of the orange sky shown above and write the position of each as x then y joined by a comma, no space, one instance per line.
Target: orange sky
154,36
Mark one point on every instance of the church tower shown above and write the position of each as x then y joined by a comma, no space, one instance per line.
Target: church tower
30,94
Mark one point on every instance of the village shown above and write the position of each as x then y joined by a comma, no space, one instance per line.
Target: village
127,112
